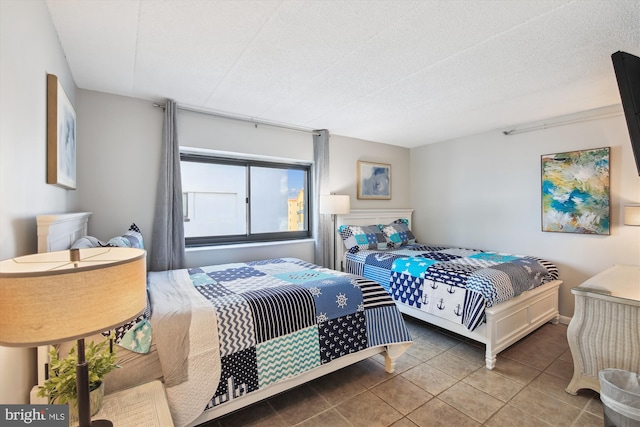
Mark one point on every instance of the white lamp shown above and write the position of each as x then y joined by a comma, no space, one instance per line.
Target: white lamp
334,204
51,297
632,215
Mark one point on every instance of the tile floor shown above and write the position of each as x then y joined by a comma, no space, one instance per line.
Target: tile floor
440,381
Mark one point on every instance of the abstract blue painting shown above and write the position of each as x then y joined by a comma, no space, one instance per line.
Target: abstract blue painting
575,192
374,180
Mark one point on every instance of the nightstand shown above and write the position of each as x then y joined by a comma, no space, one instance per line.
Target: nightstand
605,329
141,406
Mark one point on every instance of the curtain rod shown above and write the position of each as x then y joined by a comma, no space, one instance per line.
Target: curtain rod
255,122
561,123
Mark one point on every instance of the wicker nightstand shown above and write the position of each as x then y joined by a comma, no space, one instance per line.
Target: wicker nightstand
141,406
605,329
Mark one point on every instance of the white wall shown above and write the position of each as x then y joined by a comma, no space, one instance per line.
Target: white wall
344,154
29,49
118,160
214,133
483,192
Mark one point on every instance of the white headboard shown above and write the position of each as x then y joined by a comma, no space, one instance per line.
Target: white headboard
57,232
367,217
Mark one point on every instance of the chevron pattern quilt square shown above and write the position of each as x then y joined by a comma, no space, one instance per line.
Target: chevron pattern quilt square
287,356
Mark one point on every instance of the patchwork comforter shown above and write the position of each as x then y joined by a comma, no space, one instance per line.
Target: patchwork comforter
274,320
454,283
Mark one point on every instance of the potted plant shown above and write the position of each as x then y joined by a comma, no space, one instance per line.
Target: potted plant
61,388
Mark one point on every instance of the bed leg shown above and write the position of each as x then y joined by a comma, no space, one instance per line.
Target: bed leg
389,363
393,352
490,360
556,319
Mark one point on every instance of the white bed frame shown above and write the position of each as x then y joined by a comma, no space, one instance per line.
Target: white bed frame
58,232
506,323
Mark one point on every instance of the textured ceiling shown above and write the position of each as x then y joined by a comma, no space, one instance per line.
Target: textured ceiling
406,73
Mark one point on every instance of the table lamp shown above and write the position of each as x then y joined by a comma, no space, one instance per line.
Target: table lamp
334,204
51,297
632,215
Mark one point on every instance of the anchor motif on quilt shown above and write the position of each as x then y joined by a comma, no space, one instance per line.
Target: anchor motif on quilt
451,289
440,304
458,310
383,257
434,285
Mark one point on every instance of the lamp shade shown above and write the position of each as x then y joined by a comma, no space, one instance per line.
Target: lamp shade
334,204
58,296
632,215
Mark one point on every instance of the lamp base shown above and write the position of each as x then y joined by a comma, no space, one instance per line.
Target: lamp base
98,423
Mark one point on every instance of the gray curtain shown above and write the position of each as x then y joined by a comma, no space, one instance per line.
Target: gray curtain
322,227
167,249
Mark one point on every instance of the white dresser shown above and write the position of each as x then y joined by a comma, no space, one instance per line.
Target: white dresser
605,329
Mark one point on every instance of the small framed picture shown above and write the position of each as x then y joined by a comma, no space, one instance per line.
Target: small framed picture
61,136
374,180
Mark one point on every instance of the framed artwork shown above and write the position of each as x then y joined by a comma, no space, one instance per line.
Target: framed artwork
61,136
374,181
575,192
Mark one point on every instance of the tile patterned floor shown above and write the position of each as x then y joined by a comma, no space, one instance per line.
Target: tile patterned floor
440,381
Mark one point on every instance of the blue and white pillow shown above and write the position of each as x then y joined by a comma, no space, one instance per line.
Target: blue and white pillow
134,335
357,238
132,238
86,242
398,233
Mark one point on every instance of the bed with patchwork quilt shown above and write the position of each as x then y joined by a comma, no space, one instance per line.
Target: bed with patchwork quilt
454,283
223,337
494,298
225,333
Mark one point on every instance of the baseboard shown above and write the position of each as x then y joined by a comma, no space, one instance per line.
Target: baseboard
565,320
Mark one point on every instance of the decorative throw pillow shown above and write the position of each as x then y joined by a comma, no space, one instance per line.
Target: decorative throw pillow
357,238
86,242
132,238
134,335
398,233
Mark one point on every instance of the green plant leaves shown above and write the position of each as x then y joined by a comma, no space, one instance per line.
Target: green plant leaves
61,385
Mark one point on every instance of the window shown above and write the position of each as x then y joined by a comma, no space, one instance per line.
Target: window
229,200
